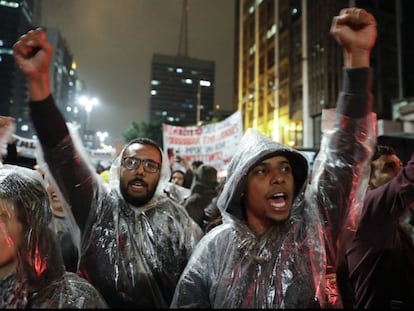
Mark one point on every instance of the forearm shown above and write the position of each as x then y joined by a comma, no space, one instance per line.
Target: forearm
355,100
48,121
354,130
352,138
356,59
39,88
73,176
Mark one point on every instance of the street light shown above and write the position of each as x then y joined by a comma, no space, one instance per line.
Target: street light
88,104
102,136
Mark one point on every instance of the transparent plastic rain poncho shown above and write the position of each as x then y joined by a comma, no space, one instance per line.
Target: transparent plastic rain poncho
176,192
39,279
133,255
290,265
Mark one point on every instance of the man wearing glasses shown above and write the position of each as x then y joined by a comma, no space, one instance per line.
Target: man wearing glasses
135,189
135,241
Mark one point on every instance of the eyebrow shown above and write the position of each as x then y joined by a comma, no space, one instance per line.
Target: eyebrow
141,158
265,162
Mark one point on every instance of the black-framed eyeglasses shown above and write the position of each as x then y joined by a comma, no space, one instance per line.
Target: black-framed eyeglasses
132,163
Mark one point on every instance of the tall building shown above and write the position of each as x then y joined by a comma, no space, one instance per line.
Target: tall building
288,66
64,81
182,90
16,18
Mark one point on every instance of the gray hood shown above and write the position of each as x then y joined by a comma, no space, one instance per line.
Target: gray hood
254,148
39,258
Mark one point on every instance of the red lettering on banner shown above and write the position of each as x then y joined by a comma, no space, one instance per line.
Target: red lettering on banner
206,158
184,140
184,131
229,132
214,156
209,139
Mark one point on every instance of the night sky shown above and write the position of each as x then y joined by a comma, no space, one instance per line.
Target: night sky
113,43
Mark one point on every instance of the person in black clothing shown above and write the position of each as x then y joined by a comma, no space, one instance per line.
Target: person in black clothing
212,215
203,190
378,266
196,164
135,241
8,137
187,170
385,165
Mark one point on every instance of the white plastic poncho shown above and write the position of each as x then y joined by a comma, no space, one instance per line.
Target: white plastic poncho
291,264
39,279
133,255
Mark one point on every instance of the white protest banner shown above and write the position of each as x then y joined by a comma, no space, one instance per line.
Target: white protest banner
214,143
26,147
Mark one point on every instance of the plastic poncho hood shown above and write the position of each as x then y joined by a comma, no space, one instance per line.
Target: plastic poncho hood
254,148
165,172
23,189
39,279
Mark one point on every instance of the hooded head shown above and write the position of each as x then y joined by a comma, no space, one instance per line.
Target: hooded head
178,176
206,175
165,171
24,203
254,148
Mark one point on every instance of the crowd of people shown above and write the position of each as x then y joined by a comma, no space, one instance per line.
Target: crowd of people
155,232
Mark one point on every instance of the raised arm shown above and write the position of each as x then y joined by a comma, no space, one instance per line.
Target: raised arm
348,131
69,167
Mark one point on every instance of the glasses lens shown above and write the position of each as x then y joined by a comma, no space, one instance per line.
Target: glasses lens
131,163
151,166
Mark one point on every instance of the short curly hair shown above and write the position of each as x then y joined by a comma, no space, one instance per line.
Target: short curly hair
381,150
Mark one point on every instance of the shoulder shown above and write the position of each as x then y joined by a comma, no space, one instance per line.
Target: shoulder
90,295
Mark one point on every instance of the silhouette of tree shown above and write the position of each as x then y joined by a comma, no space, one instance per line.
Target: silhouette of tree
151,129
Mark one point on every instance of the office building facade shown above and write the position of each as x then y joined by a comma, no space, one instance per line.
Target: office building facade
16,18
288,66
182,90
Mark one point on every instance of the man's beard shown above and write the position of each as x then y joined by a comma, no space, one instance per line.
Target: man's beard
136,201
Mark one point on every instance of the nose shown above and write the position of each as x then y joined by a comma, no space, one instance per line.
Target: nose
140,169
277,177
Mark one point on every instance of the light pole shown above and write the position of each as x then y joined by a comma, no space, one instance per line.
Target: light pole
201,83
102,136
88,104
198,103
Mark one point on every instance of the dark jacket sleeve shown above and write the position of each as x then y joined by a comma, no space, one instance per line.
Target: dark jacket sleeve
356,97
344,151
72,173
49,122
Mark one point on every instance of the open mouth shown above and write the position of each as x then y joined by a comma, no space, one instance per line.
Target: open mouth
278,201
137,185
